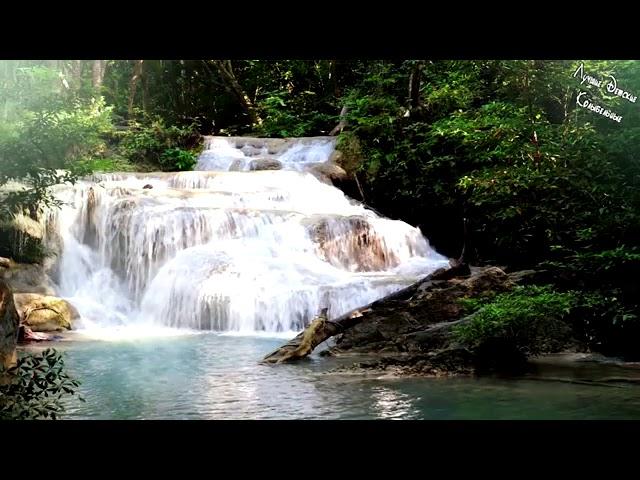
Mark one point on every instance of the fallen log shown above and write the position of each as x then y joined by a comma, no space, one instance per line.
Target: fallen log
321,328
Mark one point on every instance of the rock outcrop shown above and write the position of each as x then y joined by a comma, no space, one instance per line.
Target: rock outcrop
26,277
423,322
328,172
412,331
9,322
44,313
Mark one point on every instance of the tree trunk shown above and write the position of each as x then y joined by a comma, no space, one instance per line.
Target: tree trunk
76,74
133,83
343,122
415,81
333,78
231,84
145,90
321,329
97,73
9,322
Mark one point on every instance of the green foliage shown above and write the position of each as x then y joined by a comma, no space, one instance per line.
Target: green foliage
606,306
35,387
350,152
178,159
527,317
153,142
598,262
532,318
110,164
608,324
39,144
284,117
502,144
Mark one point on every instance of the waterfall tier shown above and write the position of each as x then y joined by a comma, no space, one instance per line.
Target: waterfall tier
250,241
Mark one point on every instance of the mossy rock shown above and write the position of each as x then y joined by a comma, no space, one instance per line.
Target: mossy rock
44,313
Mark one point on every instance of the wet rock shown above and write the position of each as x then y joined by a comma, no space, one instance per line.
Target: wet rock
350,243
44,313
265,164
251,151
329,171
236,166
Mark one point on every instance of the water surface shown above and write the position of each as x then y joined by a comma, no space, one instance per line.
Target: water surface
209,376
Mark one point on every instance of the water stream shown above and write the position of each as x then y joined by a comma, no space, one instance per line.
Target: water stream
218,250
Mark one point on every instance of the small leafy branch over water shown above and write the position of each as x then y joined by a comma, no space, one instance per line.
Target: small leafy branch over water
35,387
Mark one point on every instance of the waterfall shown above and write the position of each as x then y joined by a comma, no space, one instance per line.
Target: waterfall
252,240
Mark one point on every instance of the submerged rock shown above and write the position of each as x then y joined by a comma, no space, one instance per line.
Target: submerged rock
44,313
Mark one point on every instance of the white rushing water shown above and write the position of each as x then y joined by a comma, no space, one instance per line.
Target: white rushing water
227,247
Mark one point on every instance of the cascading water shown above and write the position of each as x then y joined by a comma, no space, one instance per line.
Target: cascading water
251,241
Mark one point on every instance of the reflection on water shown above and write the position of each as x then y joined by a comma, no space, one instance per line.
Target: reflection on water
393,404
211,376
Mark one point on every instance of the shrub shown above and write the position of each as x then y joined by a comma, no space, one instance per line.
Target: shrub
112,164
35,387
528,318
178,159
151,141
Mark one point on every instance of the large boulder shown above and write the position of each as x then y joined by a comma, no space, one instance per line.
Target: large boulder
44,313
424,321
265,164
9,322
328,171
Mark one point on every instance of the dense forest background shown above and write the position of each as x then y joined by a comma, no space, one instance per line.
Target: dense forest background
498,160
